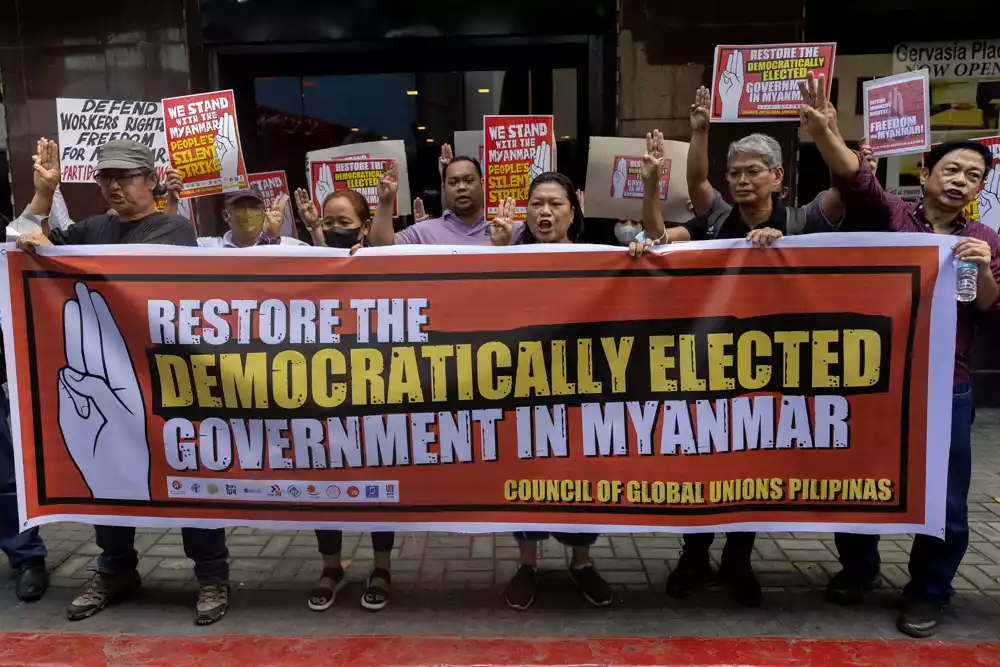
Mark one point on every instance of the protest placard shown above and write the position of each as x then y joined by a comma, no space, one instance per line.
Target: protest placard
271,185
203,142
299,387
350,173
86,124
897,109
516,150
761,83
611,196
394,150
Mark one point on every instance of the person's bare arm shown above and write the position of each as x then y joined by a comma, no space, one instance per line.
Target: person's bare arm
653,225
46,178
700,191
841,160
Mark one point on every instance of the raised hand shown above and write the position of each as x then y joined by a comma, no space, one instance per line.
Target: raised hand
446,157
419,214
172,181
581,195
619,178
814,103
388,185
46,166
274,217
101,413
731,86
700,110
653,159
502,226
307,209
324,184
226,149
543,160
989,200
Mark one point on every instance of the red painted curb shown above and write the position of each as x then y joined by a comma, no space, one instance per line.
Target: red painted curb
58,650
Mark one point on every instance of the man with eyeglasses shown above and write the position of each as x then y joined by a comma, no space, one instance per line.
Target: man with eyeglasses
127,175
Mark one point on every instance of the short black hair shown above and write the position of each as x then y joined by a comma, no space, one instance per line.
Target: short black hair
939,152
463,158
575,227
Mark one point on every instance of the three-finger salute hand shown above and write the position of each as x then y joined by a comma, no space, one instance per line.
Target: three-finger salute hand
731,86
45,163
699,110
619,178
388,185
543,161
989,200
419,213
446,157
812,113
101,413
225,148
307,209
502,226
973,250
763,237
274,218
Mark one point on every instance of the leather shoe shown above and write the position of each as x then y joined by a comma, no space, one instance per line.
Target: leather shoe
33,580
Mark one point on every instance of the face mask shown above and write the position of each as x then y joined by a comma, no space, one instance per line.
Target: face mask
625,234
340,237
247,220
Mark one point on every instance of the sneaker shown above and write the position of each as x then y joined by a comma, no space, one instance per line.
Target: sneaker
213,602
33,580
692,572
847,590
742,585
520,591
919,618
102,590
592,585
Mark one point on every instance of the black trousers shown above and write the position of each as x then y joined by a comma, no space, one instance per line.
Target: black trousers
736,553
331,541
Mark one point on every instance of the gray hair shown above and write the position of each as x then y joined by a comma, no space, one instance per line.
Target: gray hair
762,145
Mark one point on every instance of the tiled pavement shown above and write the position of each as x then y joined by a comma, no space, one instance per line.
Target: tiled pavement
451,583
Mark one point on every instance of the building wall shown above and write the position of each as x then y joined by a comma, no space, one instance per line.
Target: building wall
122,50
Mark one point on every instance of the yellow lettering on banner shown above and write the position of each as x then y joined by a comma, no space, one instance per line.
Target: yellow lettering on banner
689,368
561,386
366,373
326,363
659,362
752,378
531,373
175,382
244,386
288,381
490,387
404,377
885,490
858,343
822,358
466,385
719,361
203,382
790,342
585,367
439,382
617,357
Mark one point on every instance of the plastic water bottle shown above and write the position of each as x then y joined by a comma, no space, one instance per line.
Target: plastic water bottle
966,280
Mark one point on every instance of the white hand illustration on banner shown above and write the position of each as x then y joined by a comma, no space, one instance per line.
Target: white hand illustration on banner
324,184
731,86
225,148
618,179
543,160
101,412
989,200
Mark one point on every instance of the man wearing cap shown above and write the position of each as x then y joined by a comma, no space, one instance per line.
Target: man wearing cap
251,222
127,176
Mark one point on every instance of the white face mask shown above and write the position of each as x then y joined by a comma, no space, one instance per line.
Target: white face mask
625,234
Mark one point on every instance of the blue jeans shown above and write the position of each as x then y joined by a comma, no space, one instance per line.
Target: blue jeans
933,561
18,546
577,540
206,547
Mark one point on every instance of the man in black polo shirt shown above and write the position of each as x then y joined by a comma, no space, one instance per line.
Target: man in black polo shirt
127,176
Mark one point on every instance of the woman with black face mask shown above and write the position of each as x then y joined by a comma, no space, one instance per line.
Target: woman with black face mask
345,222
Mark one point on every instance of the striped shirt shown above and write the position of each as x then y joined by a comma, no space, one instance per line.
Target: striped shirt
878,211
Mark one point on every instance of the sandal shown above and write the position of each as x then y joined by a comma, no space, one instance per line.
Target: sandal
320,598
376,598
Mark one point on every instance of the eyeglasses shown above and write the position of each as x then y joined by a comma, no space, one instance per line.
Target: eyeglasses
753,172
104,178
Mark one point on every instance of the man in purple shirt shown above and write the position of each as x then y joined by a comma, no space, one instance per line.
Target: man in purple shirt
462,222
951,176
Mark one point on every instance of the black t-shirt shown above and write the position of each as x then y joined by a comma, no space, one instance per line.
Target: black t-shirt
158,228
733,226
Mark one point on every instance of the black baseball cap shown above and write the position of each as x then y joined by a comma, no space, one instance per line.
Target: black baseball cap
244,194
125,154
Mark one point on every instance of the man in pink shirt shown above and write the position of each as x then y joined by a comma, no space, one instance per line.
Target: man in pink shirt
462,222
